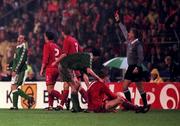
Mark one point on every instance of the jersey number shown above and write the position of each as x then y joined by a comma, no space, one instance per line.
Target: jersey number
56,53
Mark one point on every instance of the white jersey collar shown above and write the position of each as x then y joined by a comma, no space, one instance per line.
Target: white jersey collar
91,84
134,41
21,45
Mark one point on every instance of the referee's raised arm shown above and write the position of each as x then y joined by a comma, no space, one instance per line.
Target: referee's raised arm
123,31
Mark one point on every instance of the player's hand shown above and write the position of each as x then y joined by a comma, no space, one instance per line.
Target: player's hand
100,80
116,16
54,63
41,72
135,71
75,80
13,74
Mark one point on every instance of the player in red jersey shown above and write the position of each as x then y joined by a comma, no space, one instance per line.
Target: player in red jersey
50,53
102,99
70,46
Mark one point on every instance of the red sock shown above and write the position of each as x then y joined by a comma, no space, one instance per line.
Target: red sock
64,97
56,94
83,94
50,100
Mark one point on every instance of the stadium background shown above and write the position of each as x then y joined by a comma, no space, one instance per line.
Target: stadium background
92,23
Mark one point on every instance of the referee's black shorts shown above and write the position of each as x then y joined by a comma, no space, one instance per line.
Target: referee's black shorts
134,77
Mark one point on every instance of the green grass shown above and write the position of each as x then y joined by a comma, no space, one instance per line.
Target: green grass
66,118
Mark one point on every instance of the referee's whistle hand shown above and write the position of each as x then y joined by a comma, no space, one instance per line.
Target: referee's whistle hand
116,16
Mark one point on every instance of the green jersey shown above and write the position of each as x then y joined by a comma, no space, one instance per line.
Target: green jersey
20,58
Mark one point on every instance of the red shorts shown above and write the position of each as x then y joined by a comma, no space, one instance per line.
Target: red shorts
98,108
51,75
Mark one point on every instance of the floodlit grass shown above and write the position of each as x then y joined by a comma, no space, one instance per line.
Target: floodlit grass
66,118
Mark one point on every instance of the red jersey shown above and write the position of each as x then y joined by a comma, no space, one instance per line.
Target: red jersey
71,45
51,51
97,93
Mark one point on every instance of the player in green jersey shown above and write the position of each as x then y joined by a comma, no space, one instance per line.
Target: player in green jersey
18,73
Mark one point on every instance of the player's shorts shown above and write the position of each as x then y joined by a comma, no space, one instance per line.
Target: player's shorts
134,77
99,108
51,75
19,79
77,61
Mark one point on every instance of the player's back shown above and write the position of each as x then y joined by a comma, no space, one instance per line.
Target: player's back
51,52
70,45
95,94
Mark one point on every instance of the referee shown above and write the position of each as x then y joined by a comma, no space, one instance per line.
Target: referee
135,58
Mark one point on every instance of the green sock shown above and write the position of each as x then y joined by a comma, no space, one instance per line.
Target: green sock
15,99
75,101
22,94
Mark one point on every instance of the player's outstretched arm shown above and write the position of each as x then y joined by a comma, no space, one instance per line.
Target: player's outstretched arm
59,59
92,73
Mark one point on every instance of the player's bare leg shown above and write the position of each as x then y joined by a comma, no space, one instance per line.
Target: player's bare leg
83,94
86,79
82,91
110,105
121,101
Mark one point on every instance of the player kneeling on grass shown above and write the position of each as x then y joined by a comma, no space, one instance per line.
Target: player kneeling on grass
18,73
102,99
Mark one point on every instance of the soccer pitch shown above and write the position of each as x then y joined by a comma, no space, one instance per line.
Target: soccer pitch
66,118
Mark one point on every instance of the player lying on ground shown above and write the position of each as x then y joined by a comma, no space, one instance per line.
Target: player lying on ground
102,99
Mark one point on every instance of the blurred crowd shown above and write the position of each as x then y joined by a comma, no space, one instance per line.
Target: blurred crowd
7,6
92,23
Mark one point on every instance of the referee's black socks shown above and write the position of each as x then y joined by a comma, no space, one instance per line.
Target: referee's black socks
143,96
127,95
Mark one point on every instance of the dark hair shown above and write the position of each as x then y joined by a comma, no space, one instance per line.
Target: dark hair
25,38
102,74
50,35
96,52
135,32
66,30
